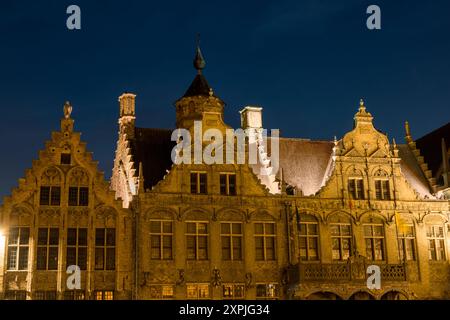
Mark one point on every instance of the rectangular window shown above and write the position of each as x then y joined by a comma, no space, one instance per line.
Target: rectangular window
161,237
228,184
74,295
197,291
265,241
382,191
44,295
161,291
309,240
406,243
15,295
231,235
197,240
77,247
233,291
436,239
198,182
65,158
341,237
50,196
18,247
104,295
356,188
47,249
266,291
374,238
105,249
78,196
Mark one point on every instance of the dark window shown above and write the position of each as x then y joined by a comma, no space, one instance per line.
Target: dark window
78,196
105,249
77,247
198,182
197,240
228,184
266,291
74,295
161,235
44,295
231,234
382,191
374,238
15,295
65,158
18,245
265,240
356,188
47,249
50,196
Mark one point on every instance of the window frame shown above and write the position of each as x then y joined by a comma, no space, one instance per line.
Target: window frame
198,185
372,238
78,247
309,238
196,236
382,189
49,248
19,248
340,237
233,295
106,248
231,235
434,239
358,192
227,184
403,239
161,235
264,237
197,287
54,196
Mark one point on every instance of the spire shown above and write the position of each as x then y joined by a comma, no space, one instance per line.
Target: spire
362,116
199,61
67,110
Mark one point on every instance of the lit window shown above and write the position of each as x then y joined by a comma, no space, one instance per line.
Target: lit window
228,184
105,249
18,245
161,236
266,291
356,188
161,291
265,240
104,295
197,240
231,234
233,291
47,249
197,291
308,237
198,182
435,237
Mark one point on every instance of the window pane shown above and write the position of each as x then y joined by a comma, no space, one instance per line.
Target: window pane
259,228
270,228
202,228
42,236
23,258
312,229
99,237
71,236
111,259
167,227
99,258
73,196
56,196
237,228
82,258
111,237
232,184
223,184
53,258
41,258
203,183
225,228
71,258
12,258
44,196
191,228
237,248
84,196
82,237
54,236
13,237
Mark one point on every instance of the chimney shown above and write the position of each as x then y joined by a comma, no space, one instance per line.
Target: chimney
251,117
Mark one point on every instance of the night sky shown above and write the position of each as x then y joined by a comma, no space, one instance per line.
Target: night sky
307,63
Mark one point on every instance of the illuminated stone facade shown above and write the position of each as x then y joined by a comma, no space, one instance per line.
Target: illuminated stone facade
223,231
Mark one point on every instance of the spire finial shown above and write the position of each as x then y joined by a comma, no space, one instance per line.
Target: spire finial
199,62
362,107
408,136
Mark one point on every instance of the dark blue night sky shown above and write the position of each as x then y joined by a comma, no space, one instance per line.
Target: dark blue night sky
307,63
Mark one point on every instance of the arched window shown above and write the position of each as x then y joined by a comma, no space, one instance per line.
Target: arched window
50,191
78,188
308,237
